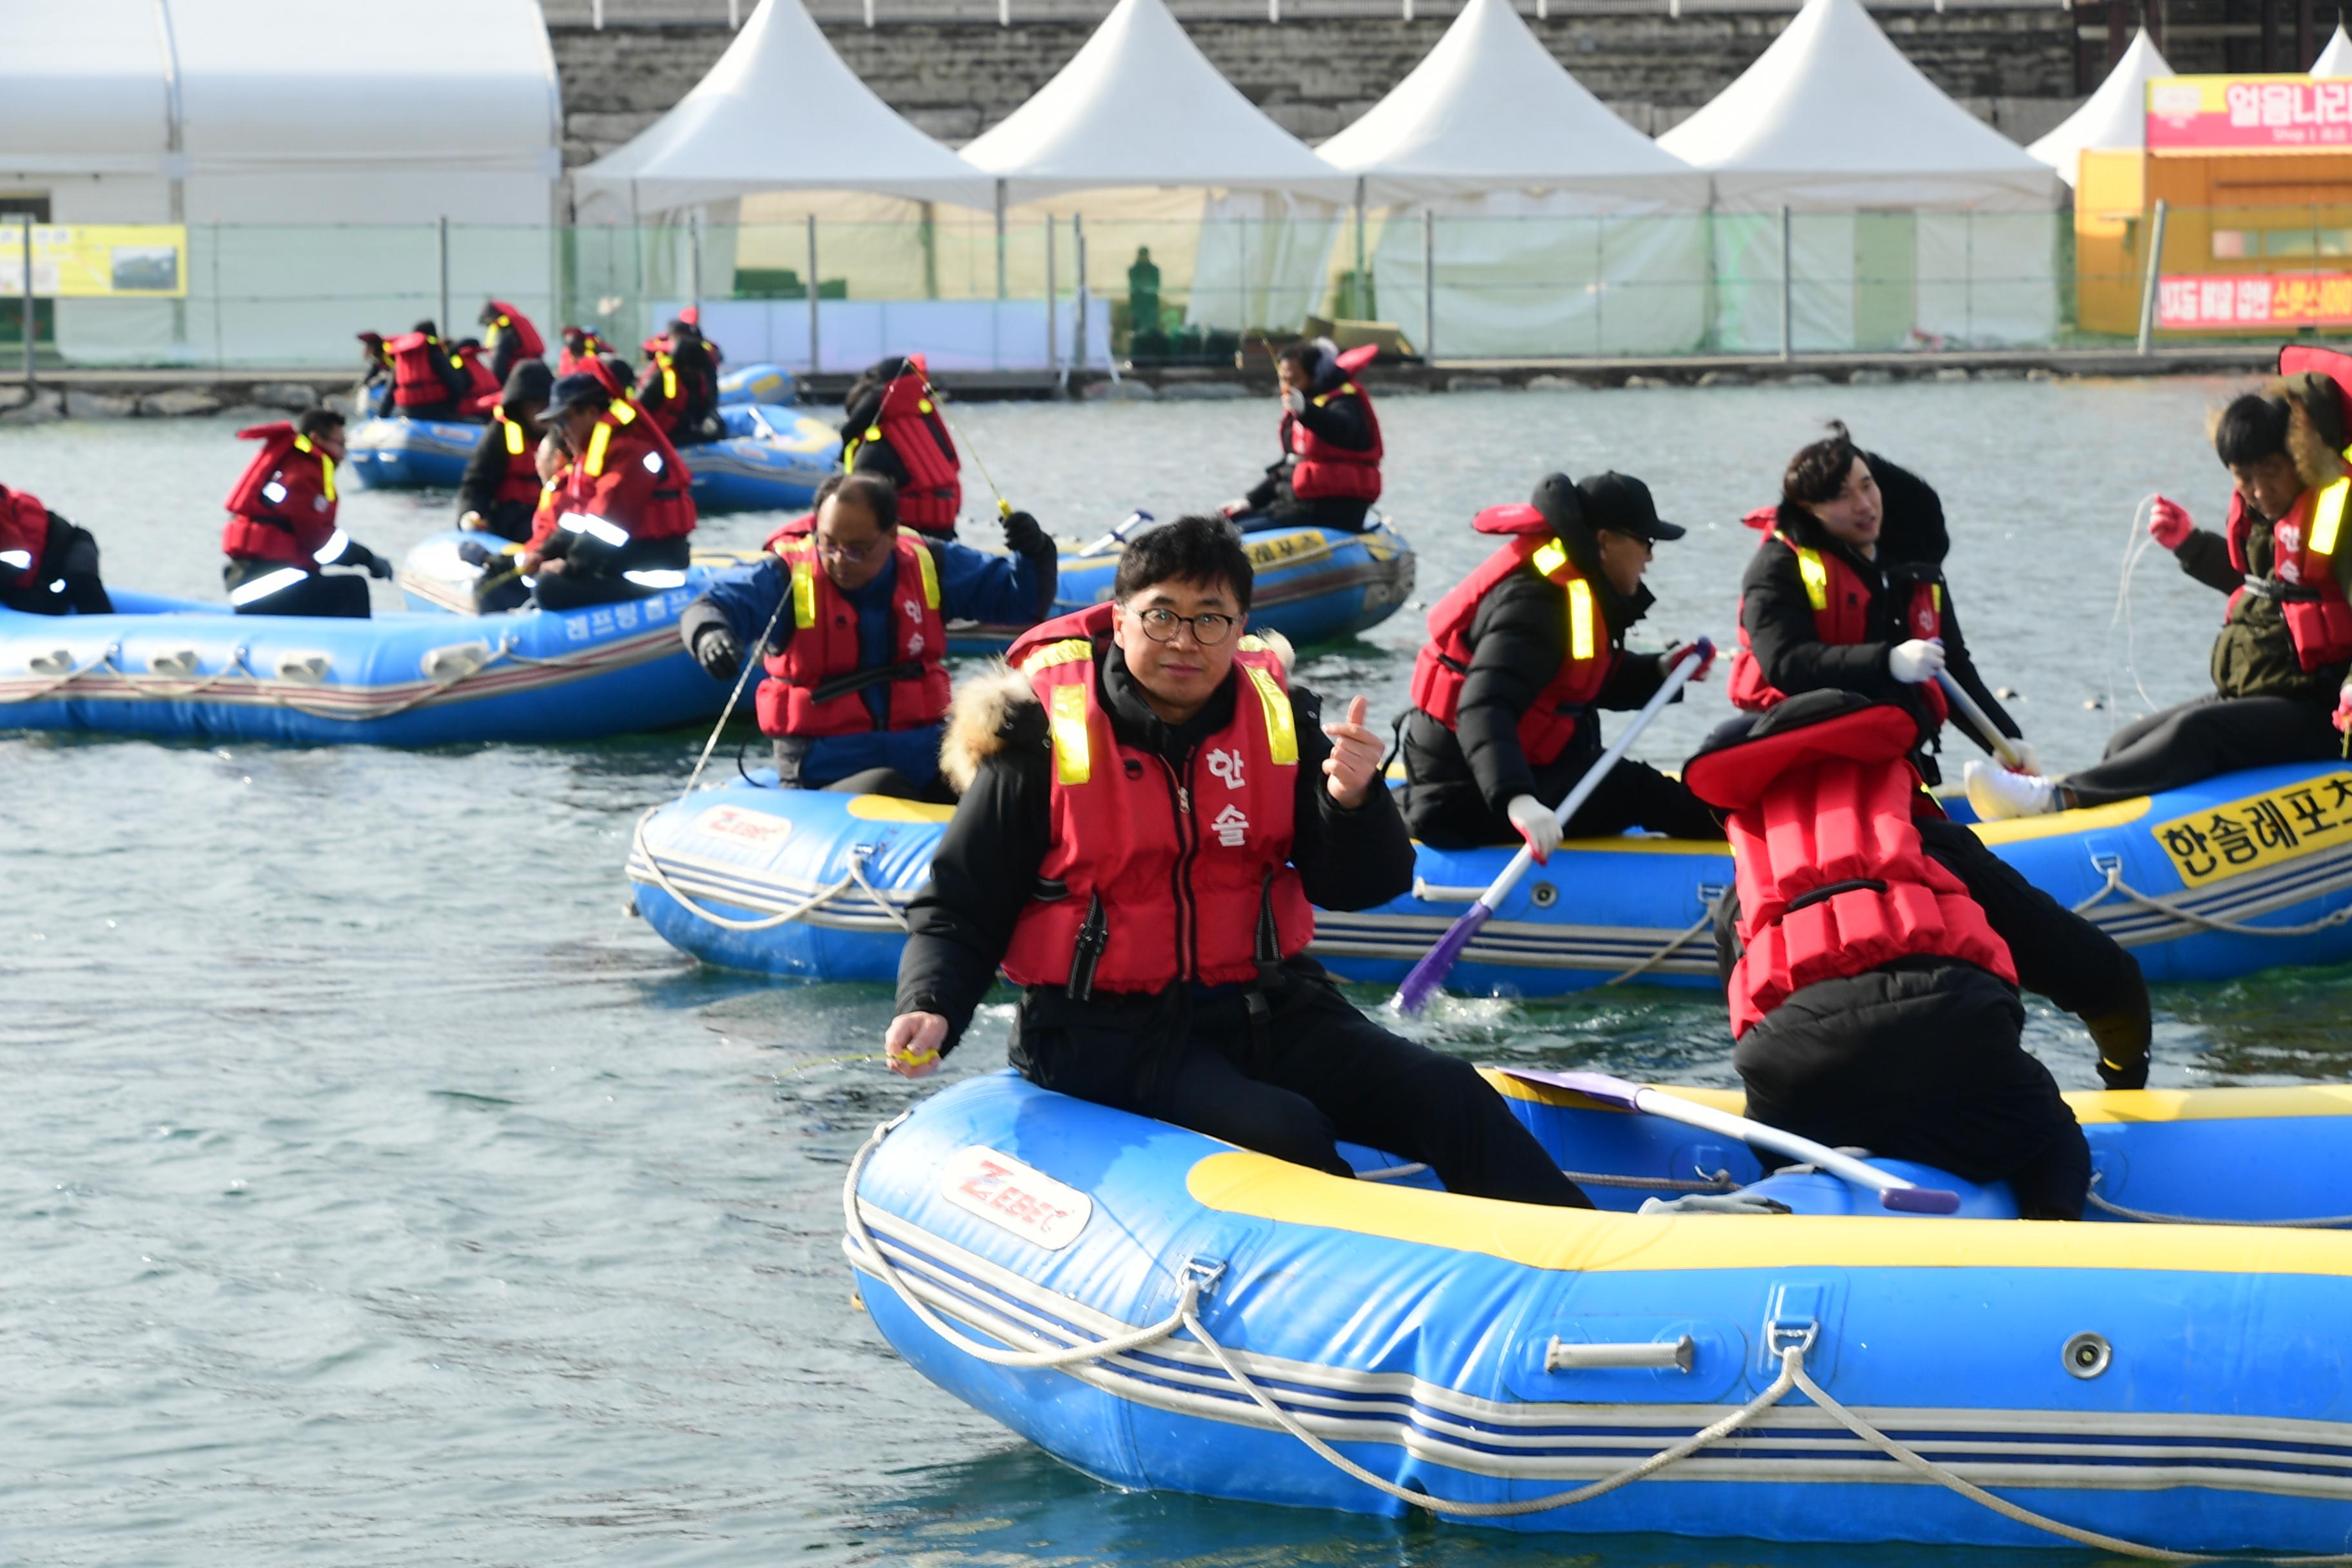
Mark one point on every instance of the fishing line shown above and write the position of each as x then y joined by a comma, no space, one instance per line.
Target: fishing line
2137,545
1003,506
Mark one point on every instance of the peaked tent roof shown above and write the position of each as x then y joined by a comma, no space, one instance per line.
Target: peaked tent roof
1488,109
2336,60
1141,105
1833,116
2115,116
780,111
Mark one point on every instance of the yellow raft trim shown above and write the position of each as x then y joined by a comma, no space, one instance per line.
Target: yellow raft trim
1590,1241
2090,1105
2083,820
890,809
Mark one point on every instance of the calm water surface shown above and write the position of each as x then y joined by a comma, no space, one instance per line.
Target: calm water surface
379,1190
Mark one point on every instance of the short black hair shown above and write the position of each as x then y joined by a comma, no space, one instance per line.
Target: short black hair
1302,353
875,493
317,422
1202,550
2251,429
1818,472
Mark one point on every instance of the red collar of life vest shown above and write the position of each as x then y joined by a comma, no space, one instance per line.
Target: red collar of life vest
1733,777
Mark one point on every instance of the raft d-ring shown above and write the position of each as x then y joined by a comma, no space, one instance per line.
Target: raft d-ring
2086,1355
1543,895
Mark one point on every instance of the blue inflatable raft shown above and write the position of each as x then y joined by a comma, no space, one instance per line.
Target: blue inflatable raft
2240,873
171,667
1164,1312
771,459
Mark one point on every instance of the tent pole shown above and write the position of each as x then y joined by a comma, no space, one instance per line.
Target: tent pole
32,321
999,239
2147,289
1788,287
1079,344
441,250
1428,286
812,293
694,276
1052,302
1357,294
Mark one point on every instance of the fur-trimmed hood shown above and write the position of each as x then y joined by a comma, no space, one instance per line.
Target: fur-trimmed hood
997,710
2315,426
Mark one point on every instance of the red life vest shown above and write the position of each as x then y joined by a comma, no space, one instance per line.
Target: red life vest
483,390
824,644
575,361
910,425
1323,470
2302,572
1167,878
1550,721
520,480
24,536
623,434
1832,879
1840,603
510,320
416,378
275,511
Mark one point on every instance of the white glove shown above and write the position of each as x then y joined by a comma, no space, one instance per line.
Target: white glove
1295,400
1536,824
2029,761
1915,662
1233,509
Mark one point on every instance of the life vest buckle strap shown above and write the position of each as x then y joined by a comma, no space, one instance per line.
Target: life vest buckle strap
1094,935
1829,890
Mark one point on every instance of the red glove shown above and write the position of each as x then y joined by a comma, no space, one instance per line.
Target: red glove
1674,656
2170,524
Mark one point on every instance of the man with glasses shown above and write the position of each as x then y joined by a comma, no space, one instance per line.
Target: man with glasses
1519,656
1149,810
857,683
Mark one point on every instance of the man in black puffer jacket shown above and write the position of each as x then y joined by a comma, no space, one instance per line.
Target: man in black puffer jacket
1519,656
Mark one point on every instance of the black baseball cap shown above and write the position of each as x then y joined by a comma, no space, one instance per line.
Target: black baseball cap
579,387
529,382
1620,503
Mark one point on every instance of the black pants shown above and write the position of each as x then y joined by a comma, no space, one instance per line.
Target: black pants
1634,795
594,572
509,519
344,595
2213,734
1315,1072
446,410
1920,1060
68,579
1288,511
892,782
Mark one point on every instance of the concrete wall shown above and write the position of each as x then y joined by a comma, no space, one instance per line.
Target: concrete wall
2013,66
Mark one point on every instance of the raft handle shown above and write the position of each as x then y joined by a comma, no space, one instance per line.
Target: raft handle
1658,1355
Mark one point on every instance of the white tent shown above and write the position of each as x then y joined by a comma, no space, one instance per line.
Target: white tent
780,111
287,137
1140,106
1913,221
2336,60
2115,116
1558,228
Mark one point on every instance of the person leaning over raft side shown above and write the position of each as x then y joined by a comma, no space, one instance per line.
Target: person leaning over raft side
680,385
1150,809
856,688
281,526
500,487
48,566
1845,592
1874,954
1520,655
2286,642
619,526
893,428
1329,475
428,381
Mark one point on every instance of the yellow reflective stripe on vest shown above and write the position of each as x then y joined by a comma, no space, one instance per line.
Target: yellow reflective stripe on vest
1550,557
1281,724
598,440
2327,517
1579,619
803,592
514,436
1345,389
326,476
1068,715
622,412
930,575
1063,652
1816,574
669,377
1935,597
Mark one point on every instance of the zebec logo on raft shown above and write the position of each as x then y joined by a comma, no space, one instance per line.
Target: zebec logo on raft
1012,1197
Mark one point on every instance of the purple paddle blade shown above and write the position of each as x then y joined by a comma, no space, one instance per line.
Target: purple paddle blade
1920,1200
1420,983
1605,1088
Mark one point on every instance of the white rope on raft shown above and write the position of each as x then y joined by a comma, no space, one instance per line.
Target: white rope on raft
831,890
1720,1182
2116,885
1196,1280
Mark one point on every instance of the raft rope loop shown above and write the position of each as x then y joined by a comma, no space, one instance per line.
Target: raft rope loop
2116,886
1720,1182
2144,1216
2137,544
1199,1276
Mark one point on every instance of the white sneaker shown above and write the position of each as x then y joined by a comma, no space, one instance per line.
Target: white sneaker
1996,792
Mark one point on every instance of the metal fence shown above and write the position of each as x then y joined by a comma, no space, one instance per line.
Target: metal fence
1006,13
1061,293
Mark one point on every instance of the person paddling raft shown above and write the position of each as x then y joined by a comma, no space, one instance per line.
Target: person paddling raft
1150,809
1846,593
2286,647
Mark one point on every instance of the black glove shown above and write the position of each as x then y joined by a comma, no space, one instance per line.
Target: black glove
360,555
379,568
2133,1074
2122,1037
474,553
715,649
1023,537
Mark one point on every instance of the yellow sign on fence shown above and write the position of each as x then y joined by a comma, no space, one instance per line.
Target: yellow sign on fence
96,260
2260,830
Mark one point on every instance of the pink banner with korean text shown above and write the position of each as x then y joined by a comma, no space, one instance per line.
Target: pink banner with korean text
2248,113
2249,300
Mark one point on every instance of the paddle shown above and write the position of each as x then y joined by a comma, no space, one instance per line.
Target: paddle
1425,977
1117,535
1893,1191
1966,705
